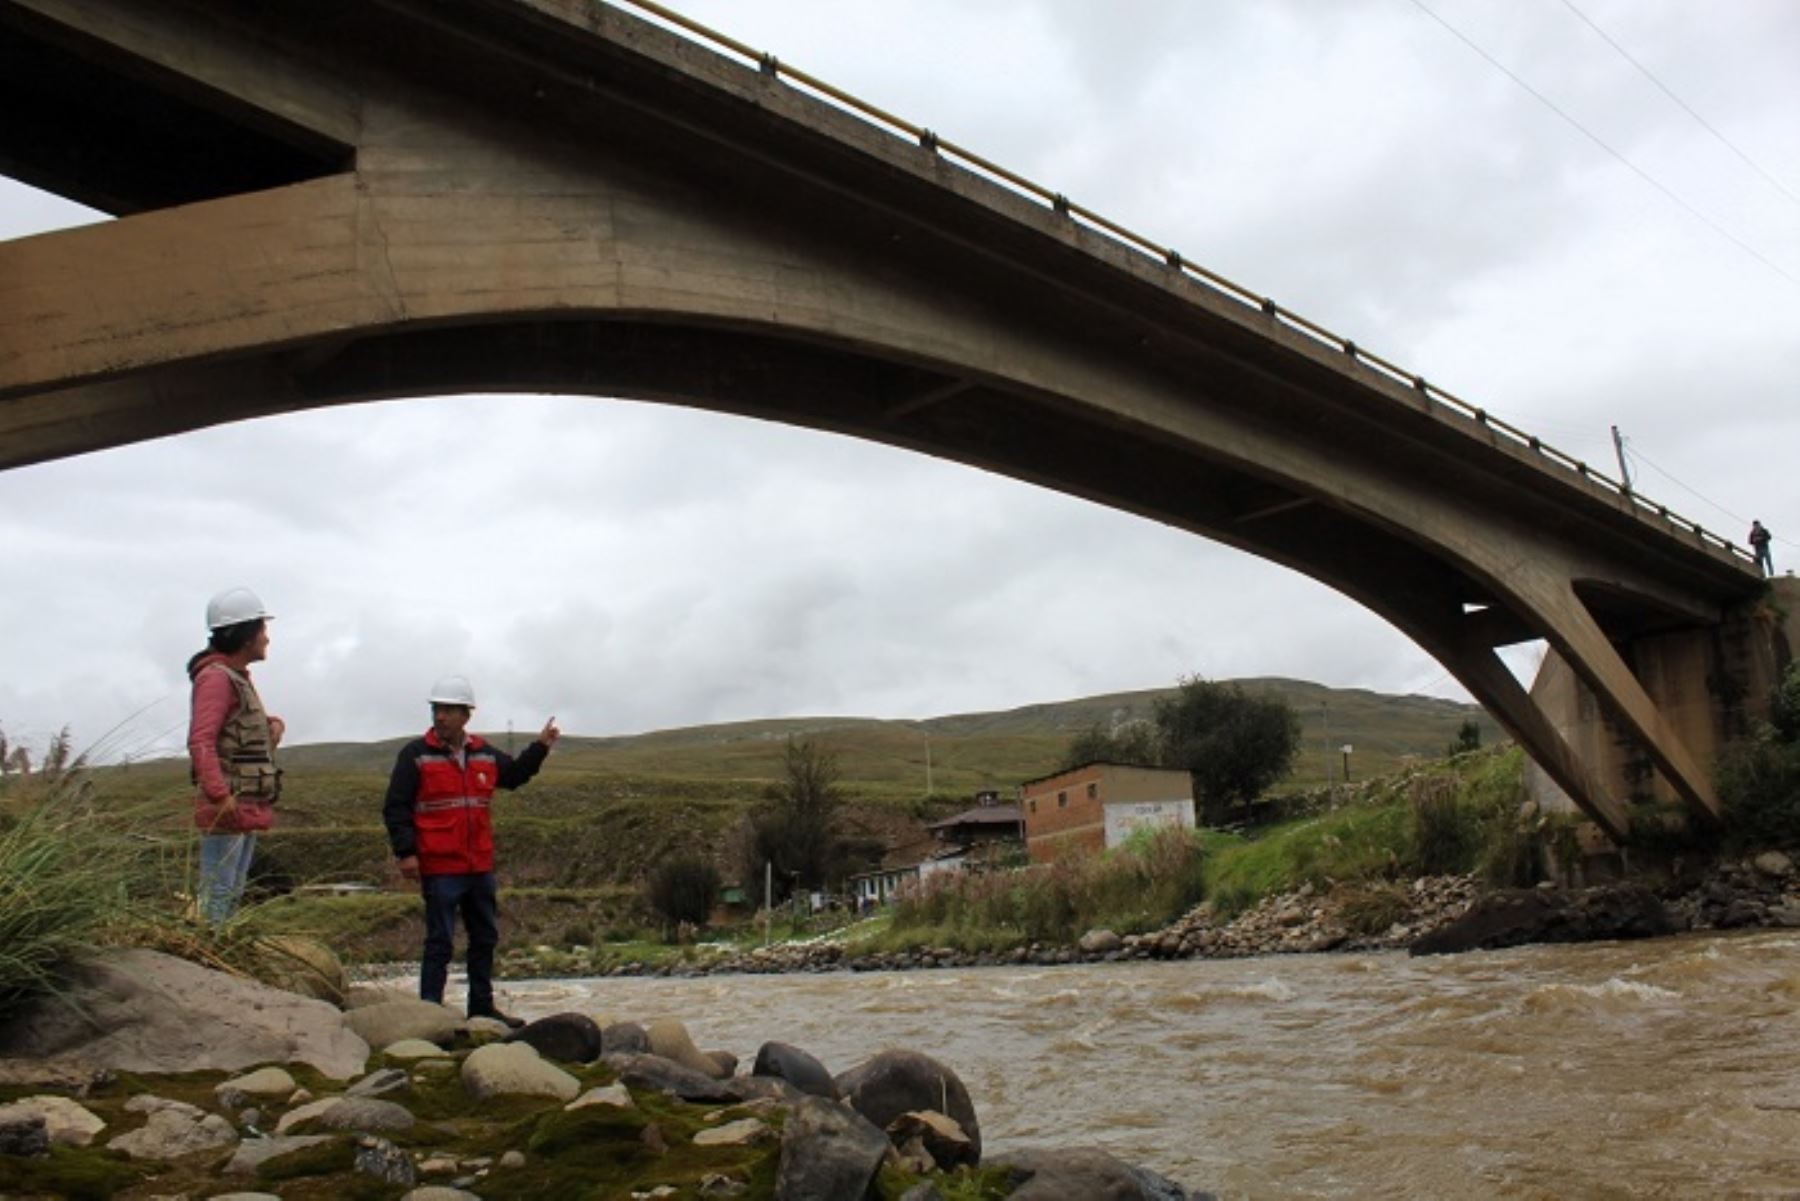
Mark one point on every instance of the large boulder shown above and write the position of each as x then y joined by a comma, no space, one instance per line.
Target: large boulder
388,1022
897,1082
143,1011
515,1069
568,1037
790,1063
670,1039
828,1153
1082,1174
653,1072
624,1038
1515,917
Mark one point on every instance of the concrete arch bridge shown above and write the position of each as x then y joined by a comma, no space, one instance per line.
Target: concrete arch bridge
356,199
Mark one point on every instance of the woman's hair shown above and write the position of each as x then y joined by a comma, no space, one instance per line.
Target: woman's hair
228,640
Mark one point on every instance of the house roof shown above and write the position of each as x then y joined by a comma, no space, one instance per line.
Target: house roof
983,815
1068,771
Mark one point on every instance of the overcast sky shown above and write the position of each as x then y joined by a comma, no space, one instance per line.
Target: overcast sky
646,567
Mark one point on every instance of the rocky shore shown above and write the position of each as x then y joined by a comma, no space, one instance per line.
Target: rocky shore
1431,914
157,1077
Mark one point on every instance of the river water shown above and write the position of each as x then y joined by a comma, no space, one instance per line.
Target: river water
1668,1068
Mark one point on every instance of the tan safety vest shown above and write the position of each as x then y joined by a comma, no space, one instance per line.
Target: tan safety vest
247,745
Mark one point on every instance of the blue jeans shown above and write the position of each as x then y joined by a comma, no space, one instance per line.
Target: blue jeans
224,866
473,896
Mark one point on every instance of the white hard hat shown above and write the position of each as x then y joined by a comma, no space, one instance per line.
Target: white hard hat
453,690
234,606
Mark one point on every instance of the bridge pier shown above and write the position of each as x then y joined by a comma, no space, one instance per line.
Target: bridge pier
1709,686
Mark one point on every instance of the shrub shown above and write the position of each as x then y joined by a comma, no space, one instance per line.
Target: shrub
1372,908
1759,778
1446,835
1759,788
683,890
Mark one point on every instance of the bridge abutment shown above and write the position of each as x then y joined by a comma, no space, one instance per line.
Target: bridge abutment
1711,686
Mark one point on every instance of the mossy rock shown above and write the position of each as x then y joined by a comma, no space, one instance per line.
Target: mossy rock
339,1155
78,1173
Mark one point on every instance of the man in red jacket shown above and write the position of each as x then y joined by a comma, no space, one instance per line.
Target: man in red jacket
442,834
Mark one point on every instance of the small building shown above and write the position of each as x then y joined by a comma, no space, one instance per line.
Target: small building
990,821
882,886
1098,805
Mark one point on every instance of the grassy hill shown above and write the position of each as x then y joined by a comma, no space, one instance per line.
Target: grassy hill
969,750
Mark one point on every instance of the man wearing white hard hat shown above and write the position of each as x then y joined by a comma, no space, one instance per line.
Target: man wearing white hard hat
442,834
231,749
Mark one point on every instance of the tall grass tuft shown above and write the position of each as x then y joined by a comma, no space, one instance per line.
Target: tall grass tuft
65,879
1152,878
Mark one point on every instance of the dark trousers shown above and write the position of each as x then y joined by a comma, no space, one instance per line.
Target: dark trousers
475,898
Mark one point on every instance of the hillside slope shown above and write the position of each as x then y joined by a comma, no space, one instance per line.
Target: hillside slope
969,750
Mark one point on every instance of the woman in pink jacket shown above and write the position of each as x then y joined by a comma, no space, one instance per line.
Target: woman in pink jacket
231,745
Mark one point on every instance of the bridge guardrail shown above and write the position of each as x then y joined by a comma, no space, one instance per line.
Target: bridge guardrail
1429,393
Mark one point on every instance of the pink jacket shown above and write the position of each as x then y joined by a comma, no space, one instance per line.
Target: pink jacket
214,701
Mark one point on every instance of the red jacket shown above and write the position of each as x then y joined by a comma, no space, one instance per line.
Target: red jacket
439,810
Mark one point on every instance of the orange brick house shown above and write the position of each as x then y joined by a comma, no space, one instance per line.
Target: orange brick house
1094,806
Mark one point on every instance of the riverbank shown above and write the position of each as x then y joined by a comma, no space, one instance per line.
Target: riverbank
1759,892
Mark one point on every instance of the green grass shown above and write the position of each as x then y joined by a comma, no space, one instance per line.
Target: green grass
1445,818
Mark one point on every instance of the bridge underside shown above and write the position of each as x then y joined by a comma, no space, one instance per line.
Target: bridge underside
528,195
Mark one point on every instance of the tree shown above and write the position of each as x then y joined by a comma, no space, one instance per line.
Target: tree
683,889
796,828
1468,738
1234,745
1133,742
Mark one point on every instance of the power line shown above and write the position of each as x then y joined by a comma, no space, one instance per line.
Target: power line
1638,457
1597,140
1685,106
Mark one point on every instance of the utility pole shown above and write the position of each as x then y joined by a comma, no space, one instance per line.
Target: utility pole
768,896
1325,724
928,766
1619,450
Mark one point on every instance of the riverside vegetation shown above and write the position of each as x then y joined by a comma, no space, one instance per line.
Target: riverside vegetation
578,856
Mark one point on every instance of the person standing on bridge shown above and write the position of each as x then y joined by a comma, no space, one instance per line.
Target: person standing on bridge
1759,542
231,749
442,835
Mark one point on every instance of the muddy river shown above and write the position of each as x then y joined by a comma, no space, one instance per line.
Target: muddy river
1650,1069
